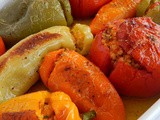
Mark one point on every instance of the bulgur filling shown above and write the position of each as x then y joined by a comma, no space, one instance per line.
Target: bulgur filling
116,51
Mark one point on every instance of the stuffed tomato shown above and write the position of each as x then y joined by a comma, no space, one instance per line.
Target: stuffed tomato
128,51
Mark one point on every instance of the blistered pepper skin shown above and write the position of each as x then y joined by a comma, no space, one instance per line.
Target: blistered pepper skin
19,65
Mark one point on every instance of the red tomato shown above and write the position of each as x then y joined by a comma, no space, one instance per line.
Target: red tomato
102,59
131,48
2,47
86,8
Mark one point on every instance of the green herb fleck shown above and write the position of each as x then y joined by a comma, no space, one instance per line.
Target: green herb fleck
89,115
46,117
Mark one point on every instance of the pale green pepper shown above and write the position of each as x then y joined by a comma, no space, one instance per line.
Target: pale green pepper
154,12
142,7
20,18
149,8
20,64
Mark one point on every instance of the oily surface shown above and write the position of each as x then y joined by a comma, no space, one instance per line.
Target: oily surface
134,107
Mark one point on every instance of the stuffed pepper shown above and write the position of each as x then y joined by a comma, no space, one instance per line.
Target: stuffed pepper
40,105
68,71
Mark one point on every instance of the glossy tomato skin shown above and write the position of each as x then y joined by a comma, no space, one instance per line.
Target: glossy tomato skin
86,8
99,54
139,38
2,47
133,82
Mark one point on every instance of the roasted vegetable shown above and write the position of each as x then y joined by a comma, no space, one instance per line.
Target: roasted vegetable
149,8
116,9
19,65
99,52
83,37
89,89
40,105
142,7
86,8
20,18
2,47
154,12
131,55
67,11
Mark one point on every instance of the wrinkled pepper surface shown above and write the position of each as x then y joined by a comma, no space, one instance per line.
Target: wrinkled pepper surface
40,105
68,71
20,18
128,52
19,65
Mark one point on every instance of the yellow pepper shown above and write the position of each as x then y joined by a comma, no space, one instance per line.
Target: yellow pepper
40,105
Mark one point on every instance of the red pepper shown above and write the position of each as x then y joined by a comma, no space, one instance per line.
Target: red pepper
86,8
139,39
